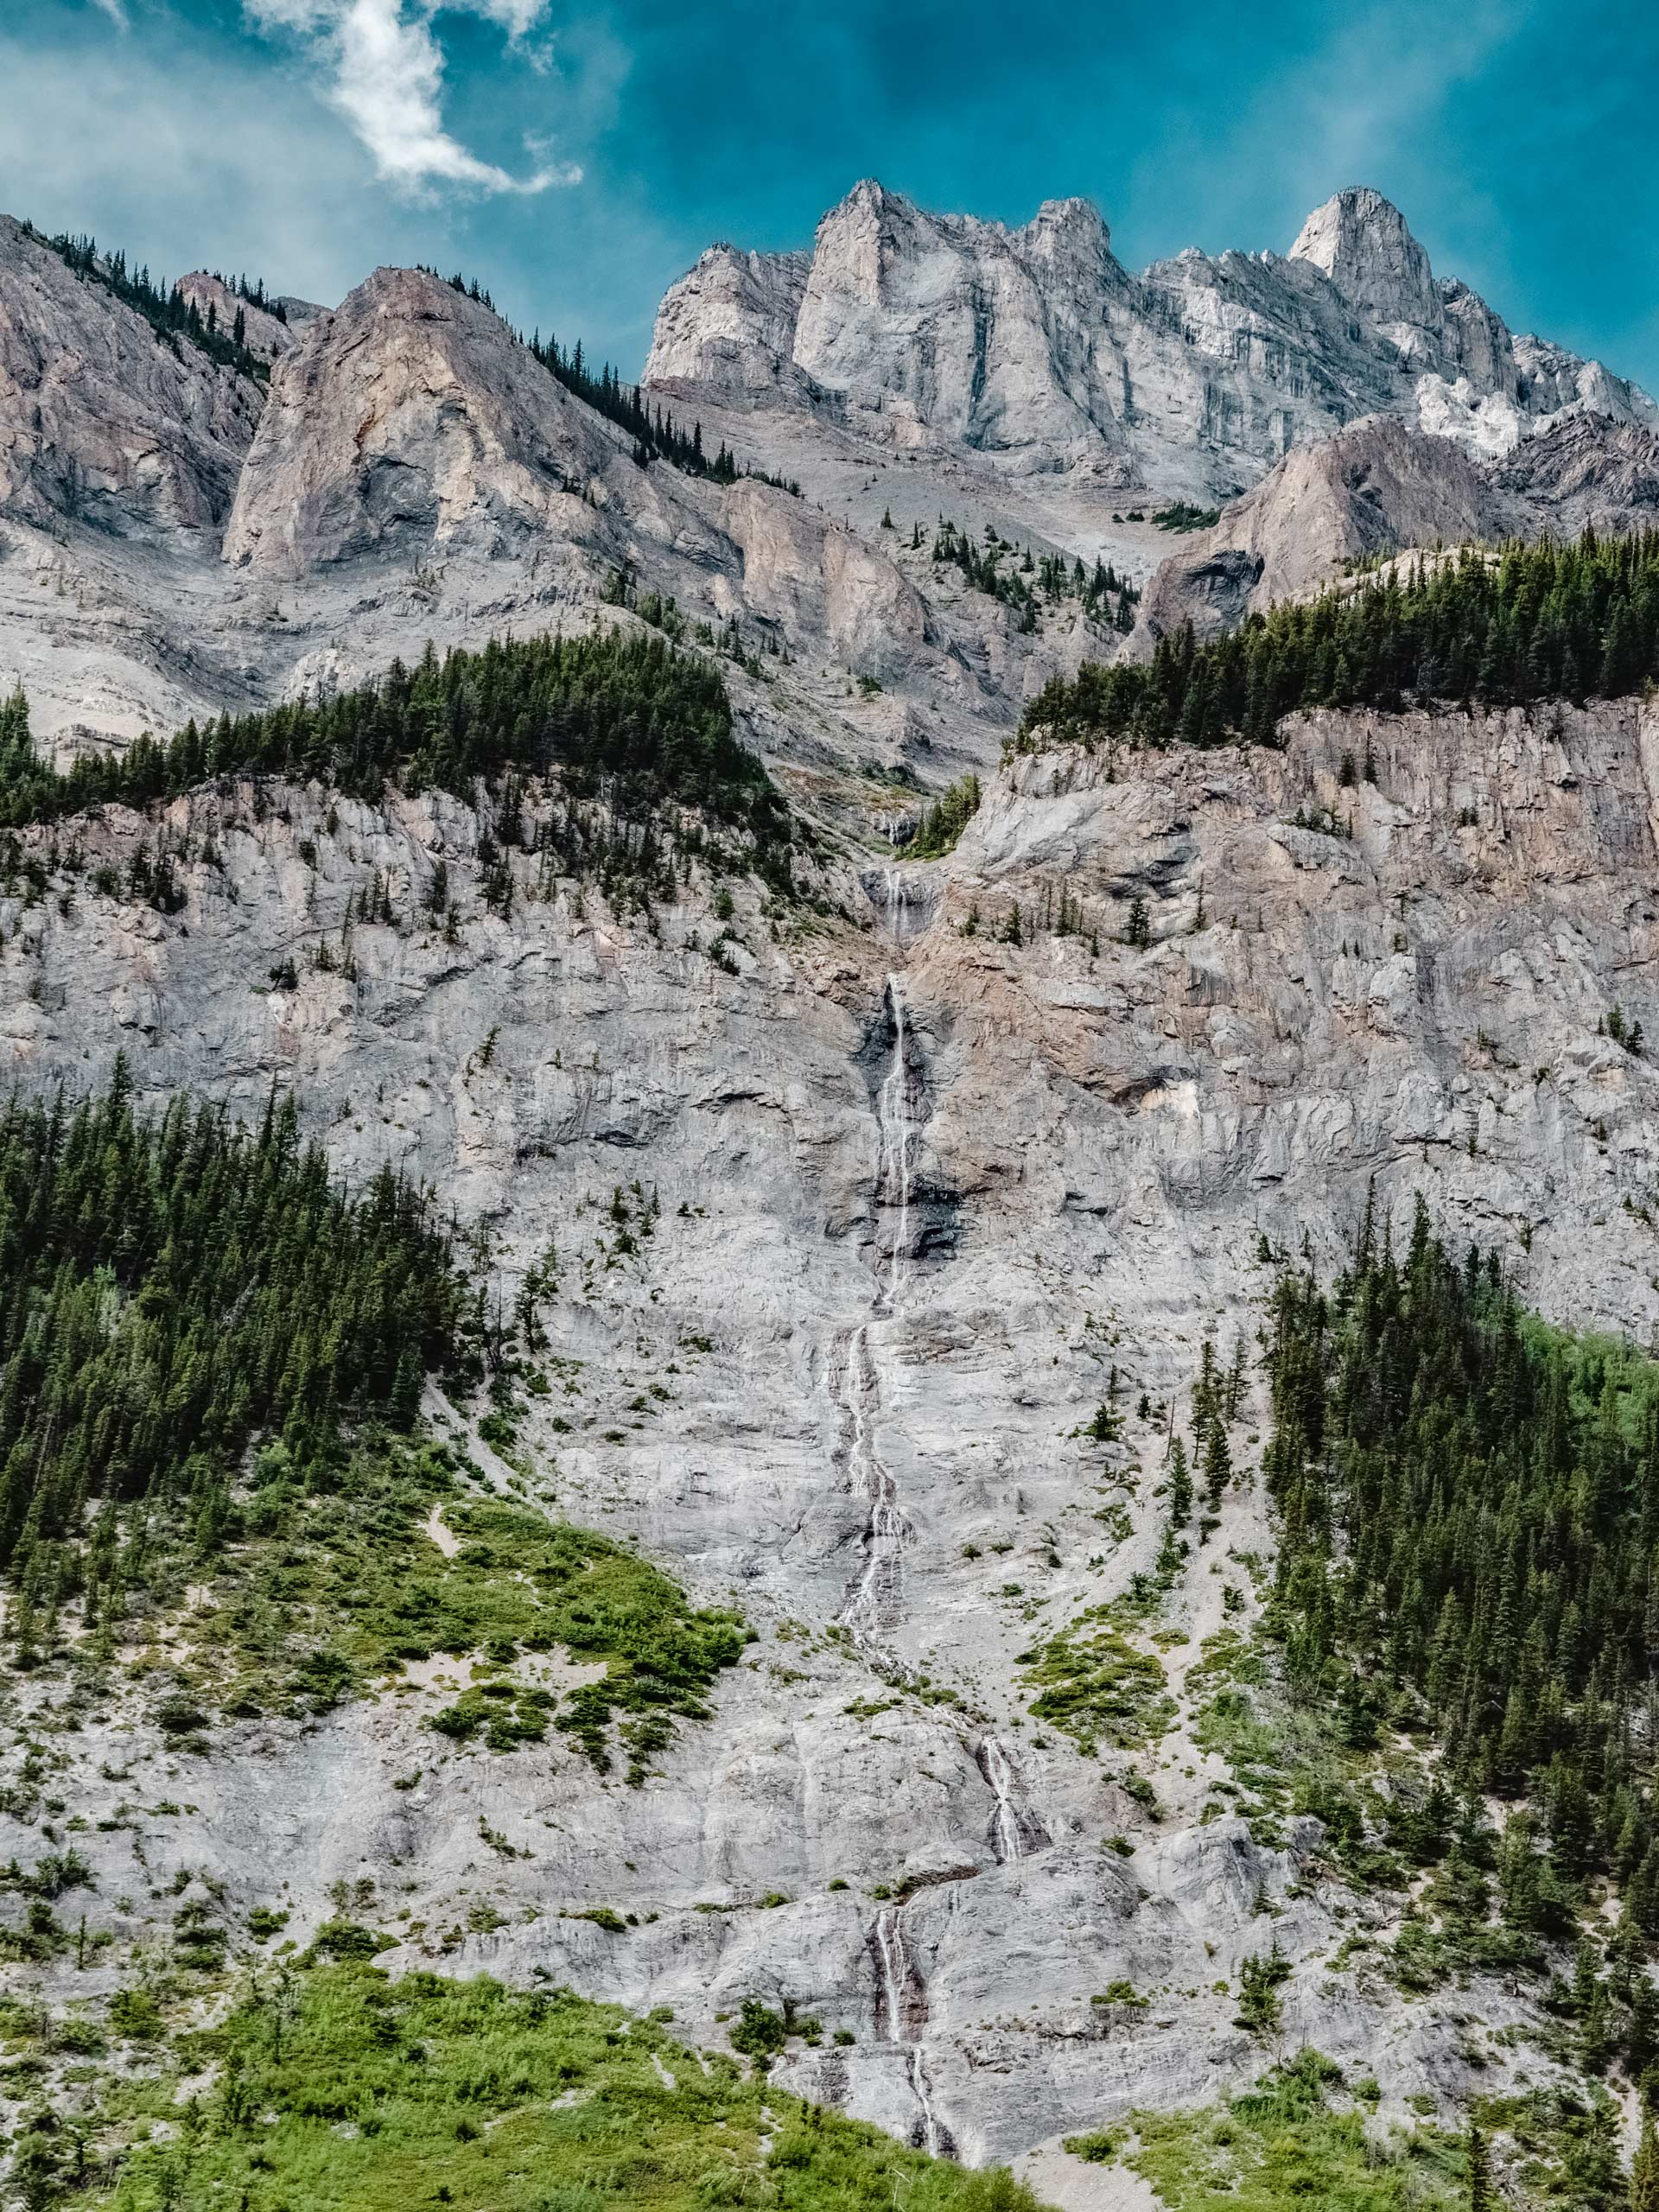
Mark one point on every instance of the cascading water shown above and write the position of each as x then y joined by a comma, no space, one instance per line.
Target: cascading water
1015,1829
901,2016
897,1125
873,1601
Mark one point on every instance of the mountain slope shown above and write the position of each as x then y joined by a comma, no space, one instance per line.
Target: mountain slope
811,1562
102,424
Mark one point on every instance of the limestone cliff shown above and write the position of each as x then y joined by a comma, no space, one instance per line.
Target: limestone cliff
1034,346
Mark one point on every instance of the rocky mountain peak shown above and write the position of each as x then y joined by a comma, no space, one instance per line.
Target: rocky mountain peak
409,416
1072,230
1032,344
101,419
1362,243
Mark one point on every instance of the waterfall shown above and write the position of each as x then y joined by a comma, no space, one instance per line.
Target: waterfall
872,1600
901,2016
897,1135
1015,1829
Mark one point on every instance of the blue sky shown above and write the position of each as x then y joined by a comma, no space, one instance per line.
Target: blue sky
578,158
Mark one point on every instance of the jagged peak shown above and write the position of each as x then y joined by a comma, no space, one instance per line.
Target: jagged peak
1357,210
870,196
1075,219
1364,246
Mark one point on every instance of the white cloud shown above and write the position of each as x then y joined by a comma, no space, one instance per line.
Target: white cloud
116,12
385,71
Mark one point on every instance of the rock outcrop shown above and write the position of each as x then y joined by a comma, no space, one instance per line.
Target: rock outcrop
1371,488
1034,346
1586,470
1416,1007
103,424
1379,487
410,418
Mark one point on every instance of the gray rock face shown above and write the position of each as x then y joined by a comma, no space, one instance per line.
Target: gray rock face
1379,487
737,314
1035,347
410,417
1588,469
1359,240
1369,489
101,422
933,1183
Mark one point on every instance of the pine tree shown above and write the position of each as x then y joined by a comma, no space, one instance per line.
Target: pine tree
1645,2169
1217,1465
1536,623
1180,1485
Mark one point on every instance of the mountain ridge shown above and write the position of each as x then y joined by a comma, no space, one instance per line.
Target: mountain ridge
1067,354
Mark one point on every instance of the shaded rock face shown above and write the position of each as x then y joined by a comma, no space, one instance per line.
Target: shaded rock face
1589,470
102,424
1034,346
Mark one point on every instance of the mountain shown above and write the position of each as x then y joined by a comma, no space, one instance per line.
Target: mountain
1033,347
922,1403
103,426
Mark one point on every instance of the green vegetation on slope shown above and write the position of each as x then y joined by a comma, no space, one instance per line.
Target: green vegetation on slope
1288,2141
655,434
943,822
1506,627
1027,583
173,1288
1470,1554
337,2089
1091,1682
318,1591
163,306
1471,1507
622,719
212,1365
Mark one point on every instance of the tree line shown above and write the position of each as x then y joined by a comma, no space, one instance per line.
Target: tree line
1469,1507
1503,626
176,1287
1026,581
655,434
164,306
619,717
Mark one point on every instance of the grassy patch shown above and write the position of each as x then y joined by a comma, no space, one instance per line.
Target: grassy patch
1290,2140
1565,2146
341,2088
1091,1682
337,1589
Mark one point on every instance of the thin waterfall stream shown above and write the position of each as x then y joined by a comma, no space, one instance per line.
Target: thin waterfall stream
875,1600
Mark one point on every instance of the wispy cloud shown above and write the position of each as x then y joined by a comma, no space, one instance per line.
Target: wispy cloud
385,75
116,11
